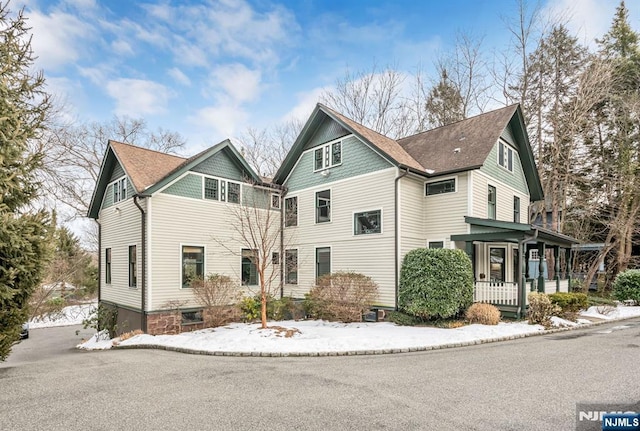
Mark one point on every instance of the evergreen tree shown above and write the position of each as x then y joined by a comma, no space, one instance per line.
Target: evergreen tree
24,235
444,103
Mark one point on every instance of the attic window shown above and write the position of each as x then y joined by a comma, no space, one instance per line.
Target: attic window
440,187
505,156
327,156
120,190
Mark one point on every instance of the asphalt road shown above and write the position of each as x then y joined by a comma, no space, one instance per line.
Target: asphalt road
527,384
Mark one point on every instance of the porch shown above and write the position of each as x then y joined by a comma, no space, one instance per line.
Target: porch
512,259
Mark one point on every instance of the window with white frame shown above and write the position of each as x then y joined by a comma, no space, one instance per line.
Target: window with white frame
323,206
211,188
233,192
275,201
327,156
534,254
249,271
323,261
516,209
291,266
436,244
505,156
440,187
107,265
367,222
491,203
120,190
192,264
133,271
291,211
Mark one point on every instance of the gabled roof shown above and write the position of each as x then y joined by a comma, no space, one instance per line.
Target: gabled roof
386,146
150,170
144,167
458,146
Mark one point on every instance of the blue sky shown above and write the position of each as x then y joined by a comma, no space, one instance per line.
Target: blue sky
210,69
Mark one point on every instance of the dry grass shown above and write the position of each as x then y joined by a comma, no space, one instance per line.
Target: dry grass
484,314
127,335
281,331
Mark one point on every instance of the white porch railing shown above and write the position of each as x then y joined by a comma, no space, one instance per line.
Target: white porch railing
564,285
496,292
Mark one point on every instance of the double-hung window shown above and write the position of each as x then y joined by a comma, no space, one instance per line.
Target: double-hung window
291,268
211,188
133,273
120,190
505,156
323,261
327,156
192,264
291,211
491,203
107,265
233,192
323,206
249,270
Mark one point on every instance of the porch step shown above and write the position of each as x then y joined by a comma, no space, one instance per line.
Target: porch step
509,311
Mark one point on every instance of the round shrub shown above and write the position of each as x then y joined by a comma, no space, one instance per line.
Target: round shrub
626,286
435,283
341,296
571,302
541,309
484,314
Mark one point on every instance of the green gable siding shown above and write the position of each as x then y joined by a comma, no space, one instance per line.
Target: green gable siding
253,197
357,159
189,186
327,131
108,196
220,165
515,179
117,172
507,135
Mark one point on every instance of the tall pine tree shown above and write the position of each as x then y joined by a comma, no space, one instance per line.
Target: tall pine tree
24,234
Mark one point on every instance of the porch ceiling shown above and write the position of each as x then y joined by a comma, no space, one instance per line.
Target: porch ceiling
488,230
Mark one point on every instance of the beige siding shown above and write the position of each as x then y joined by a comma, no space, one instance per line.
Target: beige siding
371,255
505,195
412,225
178,221
121,227
444,214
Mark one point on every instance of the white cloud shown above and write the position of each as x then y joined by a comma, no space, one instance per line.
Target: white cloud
58,38
222,120
238,83
589,19
179,76
136,97
306,102
121,47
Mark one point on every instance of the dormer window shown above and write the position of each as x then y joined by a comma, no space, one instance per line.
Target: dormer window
327,156
505,156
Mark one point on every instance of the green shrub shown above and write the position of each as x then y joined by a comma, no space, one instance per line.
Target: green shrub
594,300
484,314
435,283
403,319
341,296
105,317
626,286
570,301
541,309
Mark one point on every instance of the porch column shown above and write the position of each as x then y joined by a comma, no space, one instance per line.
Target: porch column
522,280
469,248
569,254
556,267
541,255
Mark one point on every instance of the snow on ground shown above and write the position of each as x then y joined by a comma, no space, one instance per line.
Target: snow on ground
317,336
71,315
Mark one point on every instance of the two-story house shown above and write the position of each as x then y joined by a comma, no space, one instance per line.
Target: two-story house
352,200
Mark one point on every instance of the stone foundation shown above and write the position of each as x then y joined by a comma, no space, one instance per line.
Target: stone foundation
170,323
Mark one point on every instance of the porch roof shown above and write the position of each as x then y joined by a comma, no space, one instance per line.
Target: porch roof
488,230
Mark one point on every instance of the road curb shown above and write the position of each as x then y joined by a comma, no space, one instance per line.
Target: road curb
369,352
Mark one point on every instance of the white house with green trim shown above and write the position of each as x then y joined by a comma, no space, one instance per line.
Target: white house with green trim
348,199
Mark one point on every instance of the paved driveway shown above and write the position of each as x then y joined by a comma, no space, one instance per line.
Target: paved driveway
527,384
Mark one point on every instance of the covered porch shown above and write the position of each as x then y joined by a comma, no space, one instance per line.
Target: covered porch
511,259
